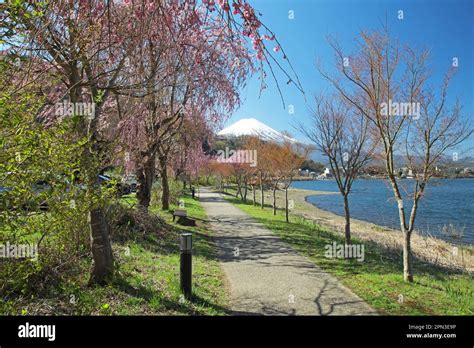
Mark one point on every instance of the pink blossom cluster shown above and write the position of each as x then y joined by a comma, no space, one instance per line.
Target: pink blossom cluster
143,61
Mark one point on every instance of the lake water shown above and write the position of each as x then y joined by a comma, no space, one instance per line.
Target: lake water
447,202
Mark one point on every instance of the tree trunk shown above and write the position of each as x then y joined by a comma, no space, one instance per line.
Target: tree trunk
348,220
407,258
101,248
239,190
254,198
145,176
407,263
286,204
274,200
165,188
244,198
262,196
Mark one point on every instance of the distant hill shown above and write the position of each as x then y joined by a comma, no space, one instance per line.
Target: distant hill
400,161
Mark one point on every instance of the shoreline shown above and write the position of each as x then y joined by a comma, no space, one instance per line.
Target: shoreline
381,226
429,248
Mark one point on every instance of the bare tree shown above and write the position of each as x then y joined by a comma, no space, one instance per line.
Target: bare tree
290,157
263,168
387,84
273,164
341,134
242,174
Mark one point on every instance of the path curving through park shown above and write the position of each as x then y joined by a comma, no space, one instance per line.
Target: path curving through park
265,275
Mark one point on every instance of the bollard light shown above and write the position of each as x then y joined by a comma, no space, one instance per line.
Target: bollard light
186,266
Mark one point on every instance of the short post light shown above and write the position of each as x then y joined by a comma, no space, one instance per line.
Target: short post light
186,264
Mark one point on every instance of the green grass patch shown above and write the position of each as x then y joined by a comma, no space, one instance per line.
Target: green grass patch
146,281
379,278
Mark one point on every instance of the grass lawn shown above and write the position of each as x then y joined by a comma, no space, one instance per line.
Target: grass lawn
146,280
379,278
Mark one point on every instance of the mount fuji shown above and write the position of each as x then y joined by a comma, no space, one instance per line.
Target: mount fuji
253,127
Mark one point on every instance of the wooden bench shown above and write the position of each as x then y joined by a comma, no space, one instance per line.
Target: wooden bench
180,213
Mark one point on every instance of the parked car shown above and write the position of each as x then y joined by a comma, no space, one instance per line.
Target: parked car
41,189
4,205
38,202
120,187
131,181
4,189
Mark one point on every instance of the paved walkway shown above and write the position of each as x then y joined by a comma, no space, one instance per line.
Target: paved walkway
266,276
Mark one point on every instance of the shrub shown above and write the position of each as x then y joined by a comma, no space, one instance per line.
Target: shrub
43,203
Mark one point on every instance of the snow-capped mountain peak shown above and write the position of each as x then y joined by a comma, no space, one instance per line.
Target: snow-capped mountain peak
253,127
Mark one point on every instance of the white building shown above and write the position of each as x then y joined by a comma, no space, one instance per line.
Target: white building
326,174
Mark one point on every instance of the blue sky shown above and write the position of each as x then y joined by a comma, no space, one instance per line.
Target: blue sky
446,27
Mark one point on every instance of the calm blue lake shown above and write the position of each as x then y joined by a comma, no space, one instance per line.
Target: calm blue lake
446,202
